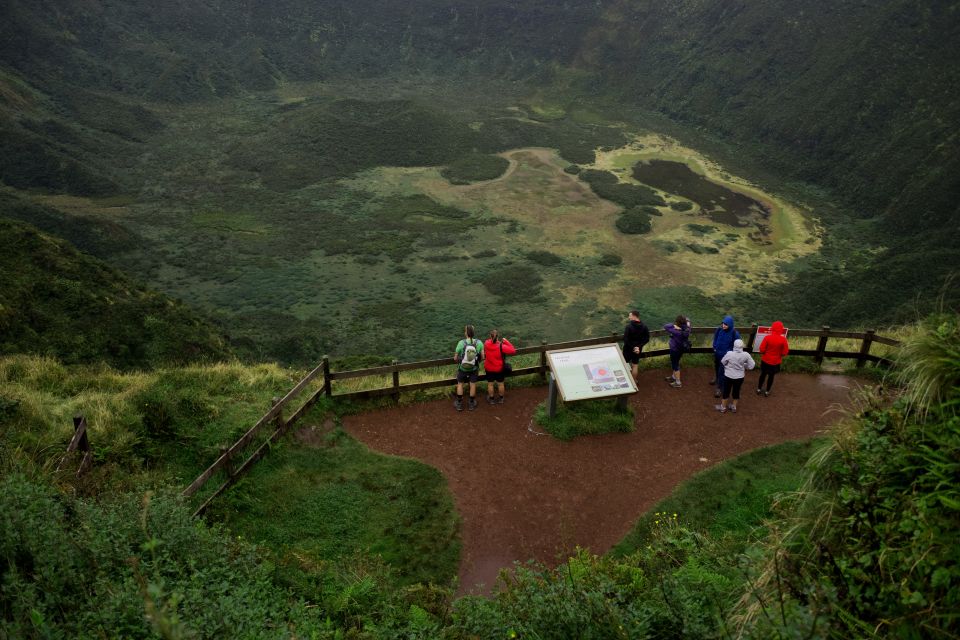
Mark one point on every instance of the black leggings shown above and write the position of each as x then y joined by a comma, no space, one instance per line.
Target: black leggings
732,384
766,370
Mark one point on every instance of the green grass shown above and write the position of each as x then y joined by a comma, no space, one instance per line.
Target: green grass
588,417
339,500
734,497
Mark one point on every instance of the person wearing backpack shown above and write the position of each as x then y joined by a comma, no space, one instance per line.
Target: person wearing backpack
468,356
495,351
679,344
723,339
635,336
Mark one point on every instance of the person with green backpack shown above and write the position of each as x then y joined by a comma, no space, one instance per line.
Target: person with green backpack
468,356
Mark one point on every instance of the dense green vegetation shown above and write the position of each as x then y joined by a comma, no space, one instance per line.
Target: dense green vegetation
629,196
475,168
633,221
57,301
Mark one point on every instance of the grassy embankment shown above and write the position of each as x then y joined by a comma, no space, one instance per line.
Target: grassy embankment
161,428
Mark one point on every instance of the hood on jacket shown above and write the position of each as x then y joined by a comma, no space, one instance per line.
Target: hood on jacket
728,320
738,345
777,328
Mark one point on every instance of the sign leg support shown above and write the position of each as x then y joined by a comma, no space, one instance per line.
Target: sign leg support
622,403
552,398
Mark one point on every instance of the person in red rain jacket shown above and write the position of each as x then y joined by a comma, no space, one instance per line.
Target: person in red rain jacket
772,350
495,349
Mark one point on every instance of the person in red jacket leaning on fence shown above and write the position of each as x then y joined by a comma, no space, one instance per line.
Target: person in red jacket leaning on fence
772,350
495,349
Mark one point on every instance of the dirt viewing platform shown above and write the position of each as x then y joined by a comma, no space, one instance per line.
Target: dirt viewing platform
523,495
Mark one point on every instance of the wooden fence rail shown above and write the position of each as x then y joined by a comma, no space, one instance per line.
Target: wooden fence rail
274,416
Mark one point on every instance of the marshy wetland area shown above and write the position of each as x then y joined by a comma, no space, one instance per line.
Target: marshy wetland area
320,216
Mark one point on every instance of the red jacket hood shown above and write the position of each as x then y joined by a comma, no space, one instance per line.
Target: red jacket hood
777,328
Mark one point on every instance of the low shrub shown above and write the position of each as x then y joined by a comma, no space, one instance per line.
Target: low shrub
544,258
633,222
514,283
475,168
610,260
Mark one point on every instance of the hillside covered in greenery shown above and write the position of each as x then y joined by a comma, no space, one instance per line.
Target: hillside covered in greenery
60,302
204,110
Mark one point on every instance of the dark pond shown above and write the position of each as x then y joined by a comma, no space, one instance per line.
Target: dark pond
717,202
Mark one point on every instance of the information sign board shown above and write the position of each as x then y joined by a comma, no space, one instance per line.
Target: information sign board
763,332
591,372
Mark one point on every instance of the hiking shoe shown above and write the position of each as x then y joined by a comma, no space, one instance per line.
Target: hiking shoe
500,400
714,381
472,405
759,391
719,407
717,394
675,384
458,404
733,408
490,400
766,394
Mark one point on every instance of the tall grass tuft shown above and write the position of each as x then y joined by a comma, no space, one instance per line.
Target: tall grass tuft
929,365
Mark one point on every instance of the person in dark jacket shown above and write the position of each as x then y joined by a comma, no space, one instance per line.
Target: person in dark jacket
679,333
635,336
723,339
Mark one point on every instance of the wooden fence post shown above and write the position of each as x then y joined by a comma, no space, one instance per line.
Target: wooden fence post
230,465
865,347
821,345
79,422
327,387
79,442
543,359
278,422
396,381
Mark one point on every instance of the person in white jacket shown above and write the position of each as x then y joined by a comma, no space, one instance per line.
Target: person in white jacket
735,366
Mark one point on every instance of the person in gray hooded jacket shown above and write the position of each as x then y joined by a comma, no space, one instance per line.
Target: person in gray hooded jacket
735,363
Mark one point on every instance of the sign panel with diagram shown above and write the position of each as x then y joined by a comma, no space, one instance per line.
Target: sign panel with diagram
591,372
763,332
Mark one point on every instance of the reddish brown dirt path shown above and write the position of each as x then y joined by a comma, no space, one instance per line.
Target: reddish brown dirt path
526,496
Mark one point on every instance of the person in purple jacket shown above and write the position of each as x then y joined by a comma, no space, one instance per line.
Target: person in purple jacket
679,342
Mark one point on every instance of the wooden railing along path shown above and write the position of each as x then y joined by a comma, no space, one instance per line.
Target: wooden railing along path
274,417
